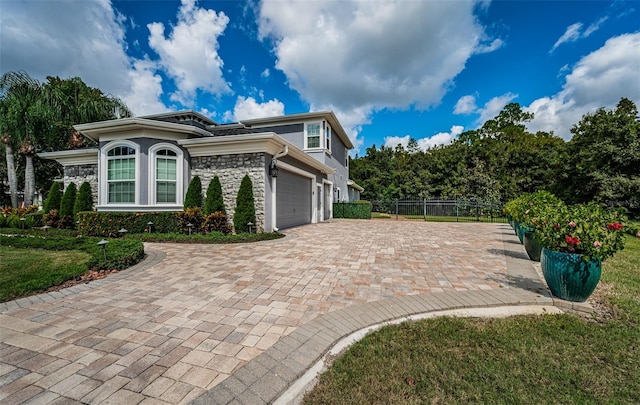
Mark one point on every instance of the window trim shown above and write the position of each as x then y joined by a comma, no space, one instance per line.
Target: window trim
322,141
306,135
103,191
152,173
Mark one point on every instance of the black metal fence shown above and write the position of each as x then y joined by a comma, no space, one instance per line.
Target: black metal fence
438,210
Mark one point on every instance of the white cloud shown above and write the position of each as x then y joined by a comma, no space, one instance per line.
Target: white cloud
143,97
189,55
265,73
441,138
465,105
574,32
599,79
344,54
248,108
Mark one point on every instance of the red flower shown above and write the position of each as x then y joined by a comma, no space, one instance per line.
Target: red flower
616,226
557,226
572,240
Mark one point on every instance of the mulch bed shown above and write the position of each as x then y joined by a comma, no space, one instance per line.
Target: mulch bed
83,279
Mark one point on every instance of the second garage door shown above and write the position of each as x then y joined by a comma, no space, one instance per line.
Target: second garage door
293,200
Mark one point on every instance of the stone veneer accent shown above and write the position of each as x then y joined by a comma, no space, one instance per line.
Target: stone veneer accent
81,173
231,169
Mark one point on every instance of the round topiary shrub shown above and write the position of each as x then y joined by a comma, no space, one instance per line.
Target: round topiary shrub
84,199
245,212
214,201
193,199
54,198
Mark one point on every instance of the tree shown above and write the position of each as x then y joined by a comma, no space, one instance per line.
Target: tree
245,212
603,158
214,201
84,199
193,199
22,115
54,198
68,200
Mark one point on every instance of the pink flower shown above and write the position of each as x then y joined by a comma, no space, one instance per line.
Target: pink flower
572,224
597,245
638,234
557,226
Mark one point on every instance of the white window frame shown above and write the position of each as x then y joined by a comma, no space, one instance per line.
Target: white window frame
103,191
306,135
327,136
153,150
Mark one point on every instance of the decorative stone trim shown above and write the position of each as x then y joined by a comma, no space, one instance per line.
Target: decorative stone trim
231,169
81,173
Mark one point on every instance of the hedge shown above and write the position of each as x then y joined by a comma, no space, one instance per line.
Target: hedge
93,223
121,253
355,210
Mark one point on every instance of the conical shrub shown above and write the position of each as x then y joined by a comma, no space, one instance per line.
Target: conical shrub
193,199
68,200
245,212
84,199
214,201
54,198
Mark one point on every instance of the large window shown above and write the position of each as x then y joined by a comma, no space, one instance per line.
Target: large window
313,135
166,176
121,175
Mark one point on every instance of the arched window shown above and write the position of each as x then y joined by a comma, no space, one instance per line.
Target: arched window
166,176
121,175
165,168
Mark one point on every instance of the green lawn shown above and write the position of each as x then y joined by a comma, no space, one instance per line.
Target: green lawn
24,271
523,359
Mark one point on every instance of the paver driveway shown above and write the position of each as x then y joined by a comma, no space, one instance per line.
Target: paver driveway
170,332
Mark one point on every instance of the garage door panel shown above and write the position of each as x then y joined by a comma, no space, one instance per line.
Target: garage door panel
293,200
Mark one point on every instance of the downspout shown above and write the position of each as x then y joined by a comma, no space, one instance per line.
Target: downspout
273,188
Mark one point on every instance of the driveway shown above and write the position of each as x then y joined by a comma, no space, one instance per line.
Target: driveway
174,327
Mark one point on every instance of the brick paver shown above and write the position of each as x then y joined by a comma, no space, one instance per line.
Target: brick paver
170,331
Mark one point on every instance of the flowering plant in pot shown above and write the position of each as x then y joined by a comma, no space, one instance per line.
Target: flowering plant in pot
575,241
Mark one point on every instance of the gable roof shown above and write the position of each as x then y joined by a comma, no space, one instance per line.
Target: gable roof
329,116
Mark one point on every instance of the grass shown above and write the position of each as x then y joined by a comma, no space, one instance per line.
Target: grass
523,359
23,271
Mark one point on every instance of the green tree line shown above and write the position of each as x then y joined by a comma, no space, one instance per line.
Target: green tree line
501,160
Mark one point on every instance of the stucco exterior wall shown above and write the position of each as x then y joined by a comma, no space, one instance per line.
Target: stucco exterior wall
230,169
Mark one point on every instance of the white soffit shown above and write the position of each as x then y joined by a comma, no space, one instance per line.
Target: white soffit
72,157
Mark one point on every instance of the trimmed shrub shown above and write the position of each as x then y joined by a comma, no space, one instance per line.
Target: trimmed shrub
193,198
36,218
216,222
54,198
68,200
52,218
13,221
245,207
356,210
3,221
107,224
214,201
84,199
191,216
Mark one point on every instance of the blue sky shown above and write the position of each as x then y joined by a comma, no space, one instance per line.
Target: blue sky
389,69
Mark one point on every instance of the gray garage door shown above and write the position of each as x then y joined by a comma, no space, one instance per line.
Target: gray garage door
293,200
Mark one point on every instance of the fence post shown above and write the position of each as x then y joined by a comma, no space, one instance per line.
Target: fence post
396,209
424,204
457,211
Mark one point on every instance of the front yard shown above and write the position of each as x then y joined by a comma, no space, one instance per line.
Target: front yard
524,359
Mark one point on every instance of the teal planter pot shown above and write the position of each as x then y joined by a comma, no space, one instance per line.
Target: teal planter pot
533,248
516,227
521,231
569,276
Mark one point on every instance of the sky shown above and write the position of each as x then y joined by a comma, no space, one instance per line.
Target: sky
390,70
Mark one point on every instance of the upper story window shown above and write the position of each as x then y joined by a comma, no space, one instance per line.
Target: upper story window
327,135
313,131
121,175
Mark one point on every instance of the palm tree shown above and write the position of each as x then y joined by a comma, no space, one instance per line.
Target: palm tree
21,109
